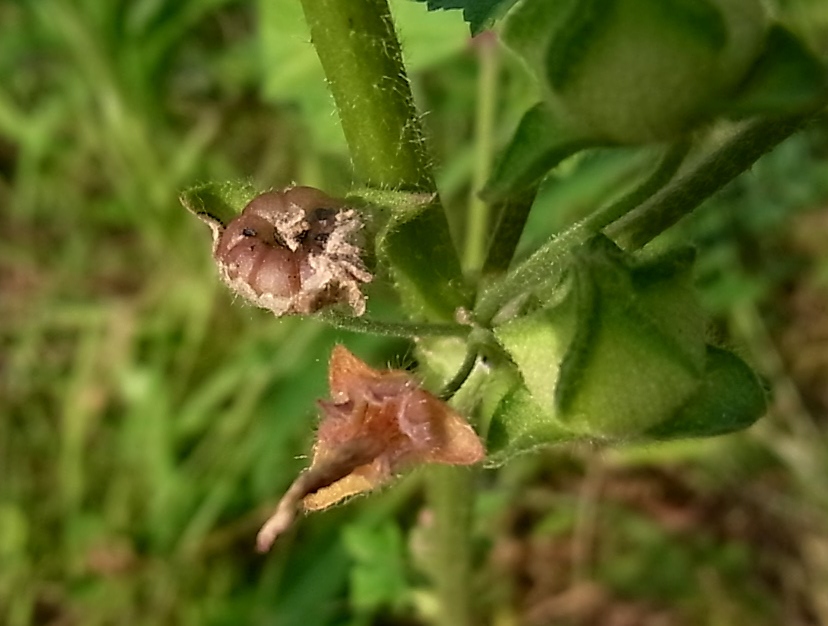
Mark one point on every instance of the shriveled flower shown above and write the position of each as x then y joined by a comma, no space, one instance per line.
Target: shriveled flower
377,423
292,251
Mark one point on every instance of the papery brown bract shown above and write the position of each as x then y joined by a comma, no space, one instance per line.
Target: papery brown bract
292,252
411,425
378,422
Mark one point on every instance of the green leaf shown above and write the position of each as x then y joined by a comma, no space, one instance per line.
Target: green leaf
609,355
378,576
218,201
479,14
510,215
541,141
730,398
786,78
583,22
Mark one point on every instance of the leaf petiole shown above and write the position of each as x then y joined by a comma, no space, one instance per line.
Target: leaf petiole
370,326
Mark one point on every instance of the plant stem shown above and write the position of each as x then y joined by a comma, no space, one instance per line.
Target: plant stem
543,265
663,174
477,223
666,208
452,386
359,51
391,329
633,227
451,498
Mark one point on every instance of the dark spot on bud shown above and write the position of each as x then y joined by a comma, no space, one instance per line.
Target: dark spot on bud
322,214
248,232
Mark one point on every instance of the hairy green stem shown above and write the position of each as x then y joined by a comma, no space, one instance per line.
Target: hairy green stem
633,227
667,207
663,174
466,367
359,51
451,498
370,326
541,266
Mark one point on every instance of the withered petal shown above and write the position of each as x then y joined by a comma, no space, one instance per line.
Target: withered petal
410,425
347,373
462,445
379,422
363,478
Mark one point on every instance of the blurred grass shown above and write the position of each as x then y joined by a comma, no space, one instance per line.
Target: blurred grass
147,421
143,413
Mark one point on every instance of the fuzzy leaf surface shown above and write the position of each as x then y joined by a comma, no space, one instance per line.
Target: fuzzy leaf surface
520,425
785,79
540,142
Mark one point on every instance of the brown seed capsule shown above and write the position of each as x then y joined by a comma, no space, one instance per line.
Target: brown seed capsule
377,423
293,251
410,425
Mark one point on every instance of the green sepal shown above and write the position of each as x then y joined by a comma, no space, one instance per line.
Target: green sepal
786,78
664,286
541,141
414,244
730,398
609,358
530,27
636,71
520,425
577,357
633,378
584,21
218,201
699,19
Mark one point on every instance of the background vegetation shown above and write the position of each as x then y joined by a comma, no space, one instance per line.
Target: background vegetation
147,422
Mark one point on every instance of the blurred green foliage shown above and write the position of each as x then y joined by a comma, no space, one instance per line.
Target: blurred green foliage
146,420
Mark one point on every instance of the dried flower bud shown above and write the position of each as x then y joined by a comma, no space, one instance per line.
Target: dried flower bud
292,251
377,423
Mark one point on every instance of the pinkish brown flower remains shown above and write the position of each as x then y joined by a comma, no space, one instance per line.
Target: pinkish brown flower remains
376,424
292,252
